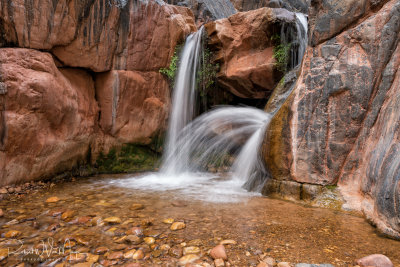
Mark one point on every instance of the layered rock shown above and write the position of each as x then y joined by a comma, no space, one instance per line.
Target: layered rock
293,5
96,88
133,105
207,10
50,115
338,126
244,49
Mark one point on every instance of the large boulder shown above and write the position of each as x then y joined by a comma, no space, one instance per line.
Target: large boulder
97,87
339,124
50,115
133,105
98,35
244,49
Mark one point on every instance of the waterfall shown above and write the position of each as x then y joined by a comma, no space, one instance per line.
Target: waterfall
183,99
302,35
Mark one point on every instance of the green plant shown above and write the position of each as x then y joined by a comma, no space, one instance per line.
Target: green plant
206,75
281,54
170,72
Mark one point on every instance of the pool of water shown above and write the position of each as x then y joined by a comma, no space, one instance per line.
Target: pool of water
212,208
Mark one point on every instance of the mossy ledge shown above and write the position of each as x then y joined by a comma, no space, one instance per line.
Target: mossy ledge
129,159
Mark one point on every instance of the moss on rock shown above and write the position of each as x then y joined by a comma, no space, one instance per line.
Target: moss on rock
130,158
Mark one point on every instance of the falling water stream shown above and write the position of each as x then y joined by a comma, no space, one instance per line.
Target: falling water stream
215,157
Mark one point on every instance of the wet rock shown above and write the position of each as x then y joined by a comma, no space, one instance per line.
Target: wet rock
149,240
76,258
52,200
219,252
137,206
135,231
188,259
219,263
175,252
3,253
178,226
269,261
376,260
92,258
82,241
129,254
138,255
112,220
115,255
313,265
168,221
84,219
101,250
68,215
228,242
1,213
12,234
191,250
165,247
134,239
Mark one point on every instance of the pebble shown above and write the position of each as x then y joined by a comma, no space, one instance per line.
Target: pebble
168,221
67,215
129,254
263,264
284,264
188,259
191,250
135,231
115,255
112,220
165,247
3,191
228,242
149,240
52,200
137,206
83,264
1,213
101,250
177,226
219,252
3,253
134,239
134,264
375,260
12,234
176,252
219,263
138,255
92,258
269,261
76,257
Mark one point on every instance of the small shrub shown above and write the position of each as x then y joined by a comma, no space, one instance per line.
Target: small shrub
170,72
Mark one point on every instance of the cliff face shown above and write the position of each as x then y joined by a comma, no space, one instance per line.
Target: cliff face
244,48
80,77
340,125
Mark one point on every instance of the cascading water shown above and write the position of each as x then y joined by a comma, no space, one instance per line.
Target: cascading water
197,150
183,98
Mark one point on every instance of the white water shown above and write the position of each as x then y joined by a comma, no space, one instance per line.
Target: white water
197,151
183,98
302,31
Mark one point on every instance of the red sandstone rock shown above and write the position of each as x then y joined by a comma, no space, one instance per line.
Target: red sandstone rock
134,105
339,124
50,115
376,260
245,51
99,35
219,252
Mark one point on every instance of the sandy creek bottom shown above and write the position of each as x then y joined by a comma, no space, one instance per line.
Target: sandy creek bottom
212,209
